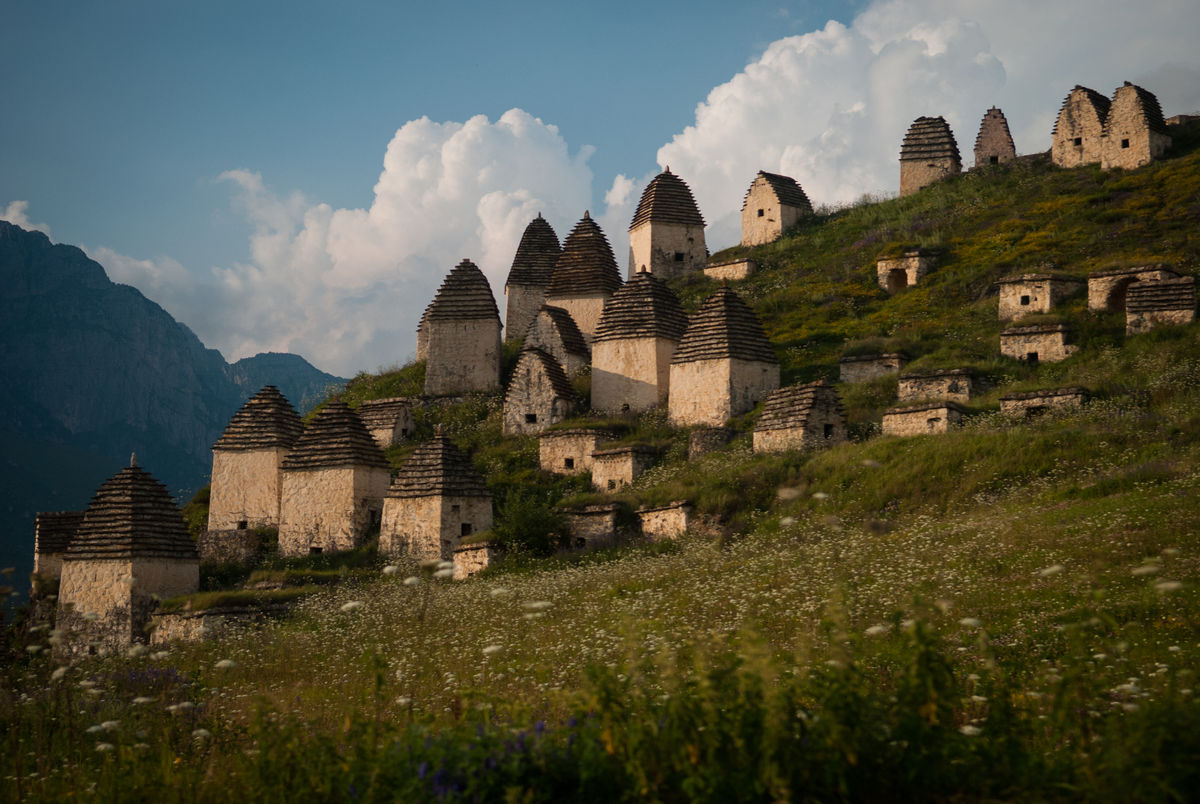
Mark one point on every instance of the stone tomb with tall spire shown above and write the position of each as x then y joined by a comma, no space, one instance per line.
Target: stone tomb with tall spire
994,143
585,276
525,288
462,334
929,154
666,236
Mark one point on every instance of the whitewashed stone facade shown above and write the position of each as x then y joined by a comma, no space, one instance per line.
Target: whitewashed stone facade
666,237
539,394
912,420
731,270
861,368
569,452
594,527
1046,343
471,559
773,204
1028,294
665,522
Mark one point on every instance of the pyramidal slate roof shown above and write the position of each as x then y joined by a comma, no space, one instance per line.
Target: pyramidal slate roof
929,138
586,264
667,199
1162,294
132,516
379,413
266,420
437,468
1099,103
1150,107
335,437
724,327
554,372
54,530
572,339
643,307
465,295
536,255
790,406
993,119
787,191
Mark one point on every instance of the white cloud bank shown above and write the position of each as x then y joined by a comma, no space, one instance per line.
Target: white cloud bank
16,214
345,287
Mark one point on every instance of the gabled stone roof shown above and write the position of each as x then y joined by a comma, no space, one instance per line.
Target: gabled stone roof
786,190
724,327
644,307
1099,103
465,295
335,437
1015,279
54,530
266,420
667,199
132,516
929,138
568,330
1036,329
924,375
789,407
586,264
1150,107
1048,393
536,255
437,468
554,372
1162,294
944,404
379,413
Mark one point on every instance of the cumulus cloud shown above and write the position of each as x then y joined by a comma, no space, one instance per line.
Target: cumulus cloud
16,214
831,107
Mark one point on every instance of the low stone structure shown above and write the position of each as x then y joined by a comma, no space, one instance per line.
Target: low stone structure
934,417
1078,133
436,500
569,452
929,154
1035,403
389,421
247,460
52,535
773,204
593,527
724,364
238,546
994,143
132,549
731,270
1163,303
616,467
1044,343
1034,293
860,368
798,417
1135,133
475,557
208,624
897,273
462,327
333,485
704,440
955,385
554,332
538,395
666,237
585,276
525,288
634,342
665,521
1107,289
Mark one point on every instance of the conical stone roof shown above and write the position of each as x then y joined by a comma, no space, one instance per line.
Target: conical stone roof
54,530
643,307
465,295
586,264
786,190
667,199
132,516
266,420
929,138
536,255
789,407
993,137
1098,102
335,437
724,327
437,468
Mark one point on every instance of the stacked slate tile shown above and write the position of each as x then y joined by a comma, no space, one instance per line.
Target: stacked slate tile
667,199
586,264
54,531
929,138
335,437
437,468
724,327
132,516
554,372
536,255
1161,295
789,407
1097,101
380,414
572,339
786,190
465,295
644,307
1151,109
266,420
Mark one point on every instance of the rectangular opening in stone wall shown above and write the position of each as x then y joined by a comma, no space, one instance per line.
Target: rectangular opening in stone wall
1031,357
403,431
678,256
314,551
531,418
568,463
1124,143
1035,410
1078,141
828,430
993,160
466,529
932,423
1024,301
376,517
243,524
612,484
760,213
454,509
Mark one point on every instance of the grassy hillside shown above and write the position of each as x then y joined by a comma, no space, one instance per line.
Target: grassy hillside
1006,611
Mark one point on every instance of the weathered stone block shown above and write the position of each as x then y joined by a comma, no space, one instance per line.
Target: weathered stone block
473,558
1034,403
246,488
955,385
897,273
631,374
800,417
1045,343
1034,293
937,417
861,368
731,270
666,521
710,392
593,527
617,467
569,452
773,204
328,510
1135,133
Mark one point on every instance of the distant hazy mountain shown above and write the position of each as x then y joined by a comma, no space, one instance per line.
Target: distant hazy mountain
91,371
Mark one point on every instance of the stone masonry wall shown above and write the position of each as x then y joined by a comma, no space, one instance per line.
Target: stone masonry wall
522,303
811,436
1077,122
1138,323
585,310
229,546
555,450
531,391
896,273
1032,403
245,488
920,421
197,626
764,220
1033,295
1048,346
631,371
612,471
730,270
431,527
547,338
1106,290
464,356
470,559
918,173
955,387
667,249
667,522
1128,141
710,392
860,368
330,509
593,526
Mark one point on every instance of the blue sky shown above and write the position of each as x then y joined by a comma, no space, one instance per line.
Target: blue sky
299,176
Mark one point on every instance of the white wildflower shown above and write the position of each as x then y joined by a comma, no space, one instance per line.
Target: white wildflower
137,651
820,495
225,664
158,656
412,580
1053,569
1168,586
871,464
403,700
201,734
969,622
442,565
492,649
390,569
142,700
537,605
1145,569
104,748
443,574
876,630
34,649
58,673
787,521
498,591
787,493
353,605
969,730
